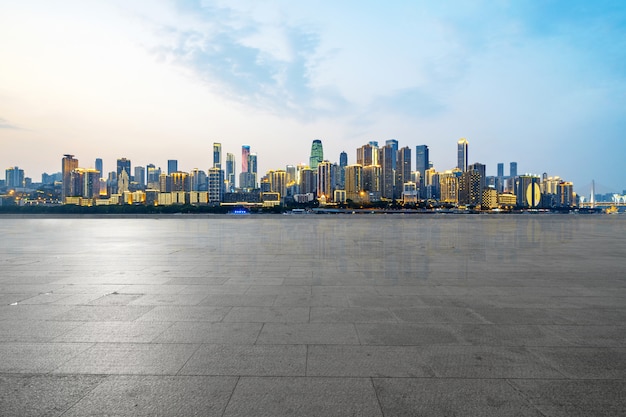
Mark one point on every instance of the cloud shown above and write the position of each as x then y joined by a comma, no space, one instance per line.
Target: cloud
4,124
266,66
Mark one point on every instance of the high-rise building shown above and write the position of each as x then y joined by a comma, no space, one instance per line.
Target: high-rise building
278,182
217,155
482,171
152,175
140,176
325,180
172,166
387,161
403,170
500,169
449,186
421,162
469,188
123,164
343,163
513,170
528,191
230,172
462,148
216,185
99,167
123,181
165,183
245,154
180,181
354,182
317,154
365,155
85,183
308,184
394,145
372,179
291,174
198,180
68,164
14,177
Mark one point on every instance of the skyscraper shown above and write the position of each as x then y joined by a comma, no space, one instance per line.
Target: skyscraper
172,166
317,154
68,165
343,163
403,170
99,167
325,180
421,163
387,161
153,176
364,155
394,145
140,176
217,155
245,153
513,170
354,182
123,164
500,169
216,185
462,146
230,172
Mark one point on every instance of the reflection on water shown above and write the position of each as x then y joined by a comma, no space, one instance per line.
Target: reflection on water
321,249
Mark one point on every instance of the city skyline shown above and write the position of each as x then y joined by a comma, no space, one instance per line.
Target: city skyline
539,84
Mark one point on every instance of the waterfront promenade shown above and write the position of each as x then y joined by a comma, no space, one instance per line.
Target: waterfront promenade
313,315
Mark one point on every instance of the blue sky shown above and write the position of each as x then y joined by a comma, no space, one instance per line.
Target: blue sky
542,83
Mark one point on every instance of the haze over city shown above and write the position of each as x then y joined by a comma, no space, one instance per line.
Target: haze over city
539,83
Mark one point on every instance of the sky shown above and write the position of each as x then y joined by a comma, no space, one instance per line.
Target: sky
538,82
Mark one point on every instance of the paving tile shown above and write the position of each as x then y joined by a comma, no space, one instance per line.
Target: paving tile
207,332
20,357
156,395
114,332
102,313
287,396
43,395
128,358
168,299
307,333
585,362
451,397
33,330
244,360
366,361
215,289
593,335
238,300
312,300
384,301
279,290
509,315
509,335
31,312
582,398
184,313
398,334
351,315
487,362
268,315
435,315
